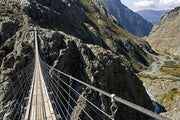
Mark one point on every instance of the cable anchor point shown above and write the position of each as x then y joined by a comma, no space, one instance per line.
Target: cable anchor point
70,80
114,107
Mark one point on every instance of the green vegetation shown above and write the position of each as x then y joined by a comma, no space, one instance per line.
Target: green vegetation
171,68
176,80
142,75
170,96
176,58
171,64
153,77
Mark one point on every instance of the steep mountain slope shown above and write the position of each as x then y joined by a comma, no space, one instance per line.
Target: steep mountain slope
94,26
166,33
121,42
128,19
79,38
152,15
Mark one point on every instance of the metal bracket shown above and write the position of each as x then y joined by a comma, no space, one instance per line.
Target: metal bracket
114,107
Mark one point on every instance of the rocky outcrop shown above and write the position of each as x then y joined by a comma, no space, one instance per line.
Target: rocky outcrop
11,19
165,34
7,29
17,54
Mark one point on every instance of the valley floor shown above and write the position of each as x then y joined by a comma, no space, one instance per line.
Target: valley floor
164,85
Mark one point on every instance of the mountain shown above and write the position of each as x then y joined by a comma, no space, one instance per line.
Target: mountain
81,39
152,15
128,19
166,33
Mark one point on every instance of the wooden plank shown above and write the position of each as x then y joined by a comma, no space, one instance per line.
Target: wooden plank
39,104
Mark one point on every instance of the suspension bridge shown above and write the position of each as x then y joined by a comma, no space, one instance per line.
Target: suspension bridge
40,92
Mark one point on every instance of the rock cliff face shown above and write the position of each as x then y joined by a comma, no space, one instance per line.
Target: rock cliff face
128,19
166,33
117,39
82,41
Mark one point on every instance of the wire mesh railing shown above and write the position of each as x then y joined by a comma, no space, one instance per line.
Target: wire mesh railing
65,97
15,92
62,82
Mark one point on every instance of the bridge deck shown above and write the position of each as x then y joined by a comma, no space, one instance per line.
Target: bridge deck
39,106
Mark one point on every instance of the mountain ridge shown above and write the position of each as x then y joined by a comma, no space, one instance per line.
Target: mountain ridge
165,34
152,16
128,19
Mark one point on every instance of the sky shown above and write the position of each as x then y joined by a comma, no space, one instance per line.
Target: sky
137,5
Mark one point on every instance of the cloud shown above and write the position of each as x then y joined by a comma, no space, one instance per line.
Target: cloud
144,4
153,4
168,4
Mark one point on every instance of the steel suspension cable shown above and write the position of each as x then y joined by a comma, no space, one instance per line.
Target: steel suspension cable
56,108
18,93
70,97
78,94
22,100
11,87
62,94
21,95
81,96
61,102
48,78
118,99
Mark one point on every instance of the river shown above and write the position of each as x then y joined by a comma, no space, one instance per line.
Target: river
155,67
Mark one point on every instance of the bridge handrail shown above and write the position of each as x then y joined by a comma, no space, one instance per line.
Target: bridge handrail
116,98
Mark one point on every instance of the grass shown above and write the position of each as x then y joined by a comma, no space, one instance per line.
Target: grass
151,77
176,80
142,75
171,68
171,64
176,58
170,95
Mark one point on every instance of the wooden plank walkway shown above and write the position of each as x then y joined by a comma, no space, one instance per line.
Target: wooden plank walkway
39,105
